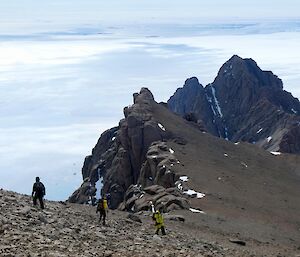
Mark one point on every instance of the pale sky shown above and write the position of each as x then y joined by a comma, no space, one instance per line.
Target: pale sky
63,11
67,69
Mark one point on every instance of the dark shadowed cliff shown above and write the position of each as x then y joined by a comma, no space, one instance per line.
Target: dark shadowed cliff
243,103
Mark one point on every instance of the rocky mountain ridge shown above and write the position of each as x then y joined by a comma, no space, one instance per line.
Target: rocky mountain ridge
243,103
154,156
133,153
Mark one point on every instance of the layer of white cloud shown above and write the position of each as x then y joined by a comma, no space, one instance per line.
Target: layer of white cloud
68,69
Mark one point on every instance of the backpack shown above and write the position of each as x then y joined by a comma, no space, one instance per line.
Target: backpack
39,188
100,205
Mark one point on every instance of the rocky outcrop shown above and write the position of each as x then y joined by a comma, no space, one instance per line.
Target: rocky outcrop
122,155
291,140
84,193
243,103
157,169
139,199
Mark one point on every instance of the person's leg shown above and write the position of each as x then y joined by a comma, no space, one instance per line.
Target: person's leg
41,202
100,216
34,199
104,216
163,230
157,229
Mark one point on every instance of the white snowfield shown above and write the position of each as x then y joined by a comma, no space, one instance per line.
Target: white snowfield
184,178
196,211
260,130
193,192
276,153
161,127
99,185
216,101
179,186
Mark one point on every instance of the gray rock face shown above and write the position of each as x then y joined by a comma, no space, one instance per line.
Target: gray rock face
140,199
134,218
157,170
82,194
243,103
191,103
121,152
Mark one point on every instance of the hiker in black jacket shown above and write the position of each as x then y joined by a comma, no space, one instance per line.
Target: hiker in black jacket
38,192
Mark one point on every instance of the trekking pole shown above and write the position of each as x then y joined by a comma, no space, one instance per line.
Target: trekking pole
152,207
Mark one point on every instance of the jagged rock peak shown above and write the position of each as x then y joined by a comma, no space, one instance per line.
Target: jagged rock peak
237,68
145,95
244,103
191,86
191,89
236,62
192,82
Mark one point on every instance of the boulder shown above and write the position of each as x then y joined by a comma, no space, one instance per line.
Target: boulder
154,189
81,195
134,217
157,169
174,217
167,199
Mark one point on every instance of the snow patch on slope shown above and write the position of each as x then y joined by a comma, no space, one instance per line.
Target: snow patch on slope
276,153
213,91
184,178
260,130
196,211
194,193
161,127
99,185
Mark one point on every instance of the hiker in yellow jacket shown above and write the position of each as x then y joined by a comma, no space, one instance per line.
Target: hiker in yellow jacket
102,207
159,222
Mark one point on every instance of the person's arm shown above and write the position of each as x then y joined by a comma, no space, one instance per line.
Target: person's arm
44,190
33,189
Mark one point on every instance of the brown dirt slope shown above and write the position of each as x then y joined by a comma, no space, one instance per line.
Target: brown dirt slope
73,230
249,191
